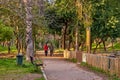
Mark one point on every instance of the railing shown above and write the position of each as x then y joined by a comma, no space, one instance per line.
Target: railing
108,64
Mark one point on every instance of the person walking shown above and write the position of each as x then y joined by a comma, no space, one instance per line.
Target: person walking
51,49
46,49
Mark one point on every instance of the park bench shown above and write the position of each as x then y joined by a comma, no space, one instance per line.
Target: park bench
37,62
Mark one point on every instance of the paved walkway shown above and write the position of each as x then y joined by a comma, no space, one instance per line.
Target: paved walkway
59,69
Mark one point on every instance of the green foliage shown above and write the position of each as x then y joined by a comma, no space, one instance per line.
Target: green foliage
87,10
2,48
92,68
59,51
117,46
105,20
6,32
63,11
56,43
12,14
66,9
52,20
114,77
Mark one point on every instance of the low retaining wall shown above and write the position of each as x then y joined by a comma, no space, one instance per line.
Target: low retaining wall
69,54
105,63
73,54
108,64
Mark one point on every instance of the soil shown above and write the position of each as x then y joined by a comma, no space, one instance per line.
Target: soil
31,76
5,55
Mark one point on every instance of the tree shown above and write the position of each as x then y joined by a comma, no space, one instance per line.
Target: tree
29,39
86,16
65,12
105,22
6,34
12,13
79,17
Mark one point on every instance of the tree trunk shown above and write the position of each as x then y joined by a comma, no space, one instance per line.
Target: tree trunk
96,47
88,39
34,45
104,45
18,45
91,44
76,41
62,41
64,36
82,46
22,46
8,47
112,45
3,43
69,43
29,39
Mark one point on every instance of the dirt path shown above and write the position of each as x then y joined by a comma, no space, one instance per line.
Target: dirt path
59,69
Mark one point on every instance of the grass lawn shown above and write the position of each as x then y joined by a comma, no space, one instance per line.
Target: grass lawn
9,70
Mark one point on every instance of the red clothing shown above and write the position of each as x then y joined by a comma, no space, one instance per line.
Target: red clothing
45,47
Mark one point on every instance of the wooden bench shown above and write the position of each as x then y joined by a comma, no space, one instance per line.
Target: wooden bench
37,62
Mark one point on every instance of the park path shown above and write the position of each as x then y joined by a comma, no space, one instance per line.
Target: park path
60,69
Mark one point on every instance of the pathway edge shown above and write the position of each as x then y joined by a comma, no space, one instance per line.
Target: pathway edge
43,73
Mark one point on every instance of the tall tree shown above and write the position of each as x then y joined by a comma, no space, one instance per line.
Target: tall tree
105,22
79,18
67,13
87,20
29,39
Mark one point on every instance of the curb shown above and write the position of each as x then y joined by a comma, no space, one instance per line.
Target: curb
43,73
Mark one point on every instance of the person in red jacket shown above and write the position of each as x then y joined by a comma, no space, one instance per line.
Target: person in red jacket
46,49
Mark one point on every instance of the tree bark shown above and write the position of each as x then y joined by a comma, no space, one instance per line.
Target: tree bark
88,40
76,41
104,45
18,44
64,35
29,39
96,46
8,47
112,45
